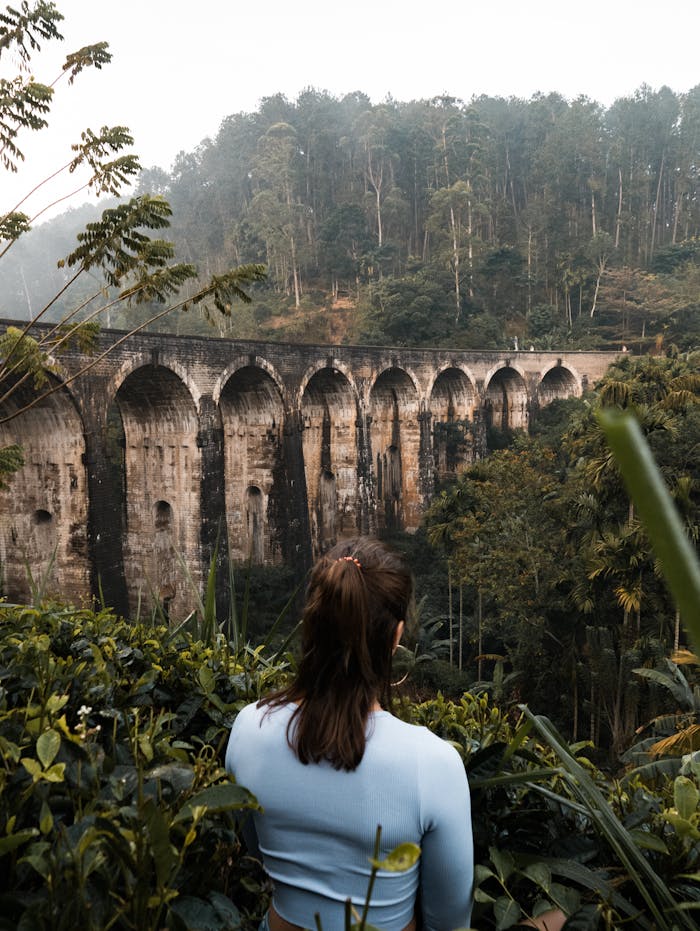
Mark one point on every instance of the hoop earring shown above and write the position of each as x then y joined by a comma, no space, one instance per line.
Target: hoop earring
399,681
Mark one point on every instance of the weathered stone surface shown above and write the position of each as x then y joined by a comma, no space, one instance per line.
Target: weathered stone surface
172,446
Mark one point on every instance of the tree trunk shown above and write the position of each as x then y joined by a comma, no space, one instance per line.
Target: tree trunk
655,212
618,219
481,636
461,628
455,260
295,274
449,609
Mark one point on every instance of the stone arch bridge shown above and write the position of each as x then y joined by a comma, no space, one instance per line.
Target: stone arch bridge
170,444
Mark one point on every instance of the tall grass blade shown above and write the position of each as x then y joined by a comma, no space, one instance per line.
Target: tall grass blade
194,588
39,587
651,887
209,619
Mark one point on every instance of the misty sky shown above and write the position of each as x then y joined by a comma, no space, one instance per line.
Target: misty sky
180,68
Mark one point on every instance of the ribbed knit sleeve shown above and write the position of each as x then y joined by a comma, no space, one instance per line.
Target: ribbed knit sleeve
447,850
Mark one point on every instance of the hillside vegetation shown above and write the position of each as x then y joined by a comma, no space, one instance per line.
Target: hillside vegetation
545,221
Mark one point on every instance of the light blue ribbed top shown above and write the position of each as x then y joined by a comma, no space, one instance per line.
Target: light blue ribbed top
318,827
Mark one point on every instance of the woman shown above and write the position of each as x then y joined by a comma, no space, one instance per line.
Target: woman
328,763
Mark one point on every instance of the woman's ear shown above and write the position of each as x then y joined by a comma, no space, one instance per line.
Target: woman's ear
398,634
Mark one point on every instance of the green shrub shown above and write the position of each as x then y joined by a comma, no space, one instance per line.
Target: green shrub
116,812
115,809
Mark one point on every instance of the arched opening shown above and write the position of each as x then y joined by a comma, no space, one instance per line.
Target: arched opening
252,415
255,525
165,558
558,382
44,509
395,444
456,442
162,464
329,447
44,543
506,401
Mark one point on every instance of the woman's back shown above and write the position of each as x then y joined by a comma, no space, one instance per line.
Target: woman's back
329,766
318,829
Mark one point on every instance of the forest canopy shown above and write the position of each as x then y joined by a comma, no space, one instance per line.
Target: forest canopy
544,221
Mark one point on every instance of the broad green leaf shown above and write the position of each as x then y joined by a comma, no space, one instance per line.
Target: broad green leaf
163,896
180,777
648,841
38,858
47,746
56,703
482,873
45,818
539,874
503,861
10,751
55,773
207,679
228,797
506,912
195,914
481,896
566,898
682,826
164,855
16,840
400,859
33,767
225,909
685,796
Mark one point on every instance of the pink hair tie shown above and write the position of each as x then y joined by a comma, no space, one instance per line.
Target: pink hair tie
350,559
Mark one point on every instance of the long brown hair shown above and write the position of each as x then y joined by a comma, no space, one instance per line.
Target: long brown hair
358,593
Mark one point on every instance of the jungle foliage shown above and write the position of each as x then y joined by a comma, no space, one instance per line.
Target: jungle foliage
560,591
115,810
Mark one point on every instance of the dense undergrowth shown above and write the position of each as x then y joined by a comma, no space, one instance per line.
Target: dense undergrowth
116,812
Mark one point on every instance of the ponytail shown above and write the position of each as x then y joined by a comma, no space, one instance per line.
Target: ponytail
357,595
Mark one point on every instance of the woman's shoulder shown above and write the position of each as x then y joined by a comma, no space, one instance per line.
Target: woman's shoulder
417,737
256,714
256,726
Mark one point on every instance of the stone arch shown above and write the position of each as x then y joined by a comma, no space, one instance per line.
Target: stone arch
162,482
506,400
331,364
452,403
252,416
44,511
329,411
394,408
559,381
257,362
141,360
459,380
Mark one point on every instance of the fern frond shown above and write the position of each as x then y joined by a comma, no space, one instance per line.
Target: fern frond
224,289
94,56
11,459
24,28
